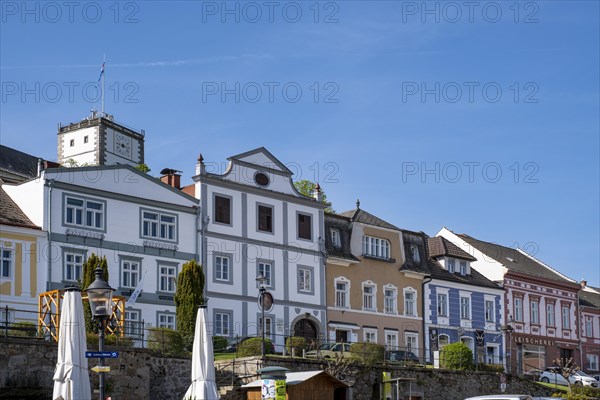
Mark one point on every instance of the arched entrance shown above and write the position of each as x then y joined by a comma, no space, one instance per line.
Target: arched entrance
305,328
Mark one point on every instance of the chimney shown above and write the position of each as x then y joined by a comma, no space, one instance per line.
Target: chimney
318,194
583,284
171,177
200,167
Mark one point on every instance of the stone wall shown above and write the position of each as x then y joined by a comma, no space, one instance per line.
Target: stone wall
27,366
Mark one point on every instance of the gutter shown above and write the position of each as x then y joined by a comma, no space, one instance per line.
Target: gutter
426,280
49,183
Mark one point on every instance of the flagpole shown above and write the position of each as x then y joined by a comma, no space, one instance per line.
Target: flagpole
103,82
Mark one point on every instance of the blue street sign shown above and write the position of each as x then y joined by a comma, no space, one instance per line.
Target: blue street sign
101,354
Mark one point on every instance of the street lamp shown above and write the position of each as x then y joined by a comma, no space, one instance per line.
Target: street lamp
100,297
507,329
261,279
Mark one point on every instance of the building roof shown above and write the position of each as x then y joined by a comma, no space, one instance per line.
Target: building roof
295,378
16,166
516,260
589,297
11,214
344,227
439,246
474,278
420,240
364,217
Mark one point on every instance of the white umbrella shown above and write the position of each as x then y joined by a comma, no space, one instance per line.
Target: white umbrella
71,377
203,385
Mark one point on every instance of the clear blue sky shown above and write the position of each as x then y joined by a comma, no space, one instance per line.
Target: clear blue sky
390,91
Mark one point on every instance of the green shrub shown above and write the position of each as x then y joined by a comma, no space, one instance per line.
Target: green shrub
219,343
295,345
23,329
109,340
166,341
252,347
490,367
368,353
456,356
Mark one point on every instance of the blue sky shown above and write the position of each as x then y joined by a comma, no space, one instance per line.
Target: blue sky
484,119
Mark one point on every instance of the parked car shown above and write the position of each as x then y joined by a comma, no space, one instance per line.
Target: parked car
401,357
552,375
502,397
330,350
233,343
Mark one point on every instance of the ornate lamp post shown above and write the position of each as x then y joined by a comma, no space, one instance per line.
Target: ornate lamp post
507,329
100,297
261,279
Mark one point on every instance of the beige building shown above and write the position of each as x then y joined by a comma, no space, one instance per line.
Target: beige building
374,276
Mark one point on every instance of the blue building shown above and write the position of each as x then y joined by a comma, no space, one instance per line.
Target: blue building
462,305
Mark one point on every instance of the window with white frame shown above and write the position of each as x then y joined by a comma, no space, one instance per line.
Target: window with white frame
130,273
157,225
489,311
414,251
535,312
389,300
222,265
465,307
409,302
592,362
166,320
391,340
451,265
167,275
335,237
133,324
411,341
566,317
267,325
463,267
341,294
368,297
222,323
518,308
73,266
305,279
443,340
266,269
550,314
589,327
370,335
376,247
6,257
84,212
442,304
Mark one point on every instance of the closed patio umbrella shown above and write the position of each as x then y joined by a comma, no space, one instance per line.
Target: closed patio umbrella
203,385
71,376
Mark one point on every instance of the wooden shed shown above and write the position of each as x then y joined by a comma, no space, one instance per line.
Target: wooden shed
305,385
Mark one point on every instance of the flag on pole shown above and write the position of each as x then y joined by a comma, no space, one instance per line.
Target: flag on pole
136,293
101,74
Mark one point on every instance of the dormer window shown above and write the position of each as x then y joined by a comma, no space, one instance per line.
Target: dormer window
451,265
376,247
335,238
414,251
463,267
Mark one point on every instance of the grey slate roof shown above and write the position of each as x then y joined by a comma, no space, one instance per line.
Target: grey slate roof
11,214
420,240
344,226
358,215
589,299
515,260
16,166
439,246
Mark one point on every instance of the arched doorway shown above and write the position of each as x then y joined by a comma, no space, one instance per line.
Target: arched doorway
306,328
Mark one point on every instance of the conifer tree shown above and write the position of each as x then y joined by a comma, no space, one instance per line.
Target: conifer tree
89,266
189,296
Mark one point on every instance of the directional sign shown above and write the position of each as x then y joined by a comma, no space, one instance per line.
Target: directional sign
101,368
101,354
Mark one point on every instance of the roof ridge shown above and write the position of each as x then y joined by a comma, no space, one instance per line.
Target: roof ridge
545,265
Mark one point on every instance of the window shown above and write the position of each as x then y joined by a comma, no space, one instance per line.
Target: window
518,302
370,335
535,312
489,311
409,302
463,267
389,300
266,269
167,278
84,213
133,324
442,304
443,340
85,139
451,265
222,268
376,247
267,326
304,226
341,294
550,314
335,238
157,225
166,321
566,319
589,328
368,297
592,361
73,266
223,210
130,273
222,323
465,308
411,340
261,179
72,143
6,260
414,251
305,280
391,340
265,218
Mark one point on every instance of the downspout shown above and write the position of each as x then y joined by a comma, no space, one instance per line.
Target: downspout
49,183
197,231
426,280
